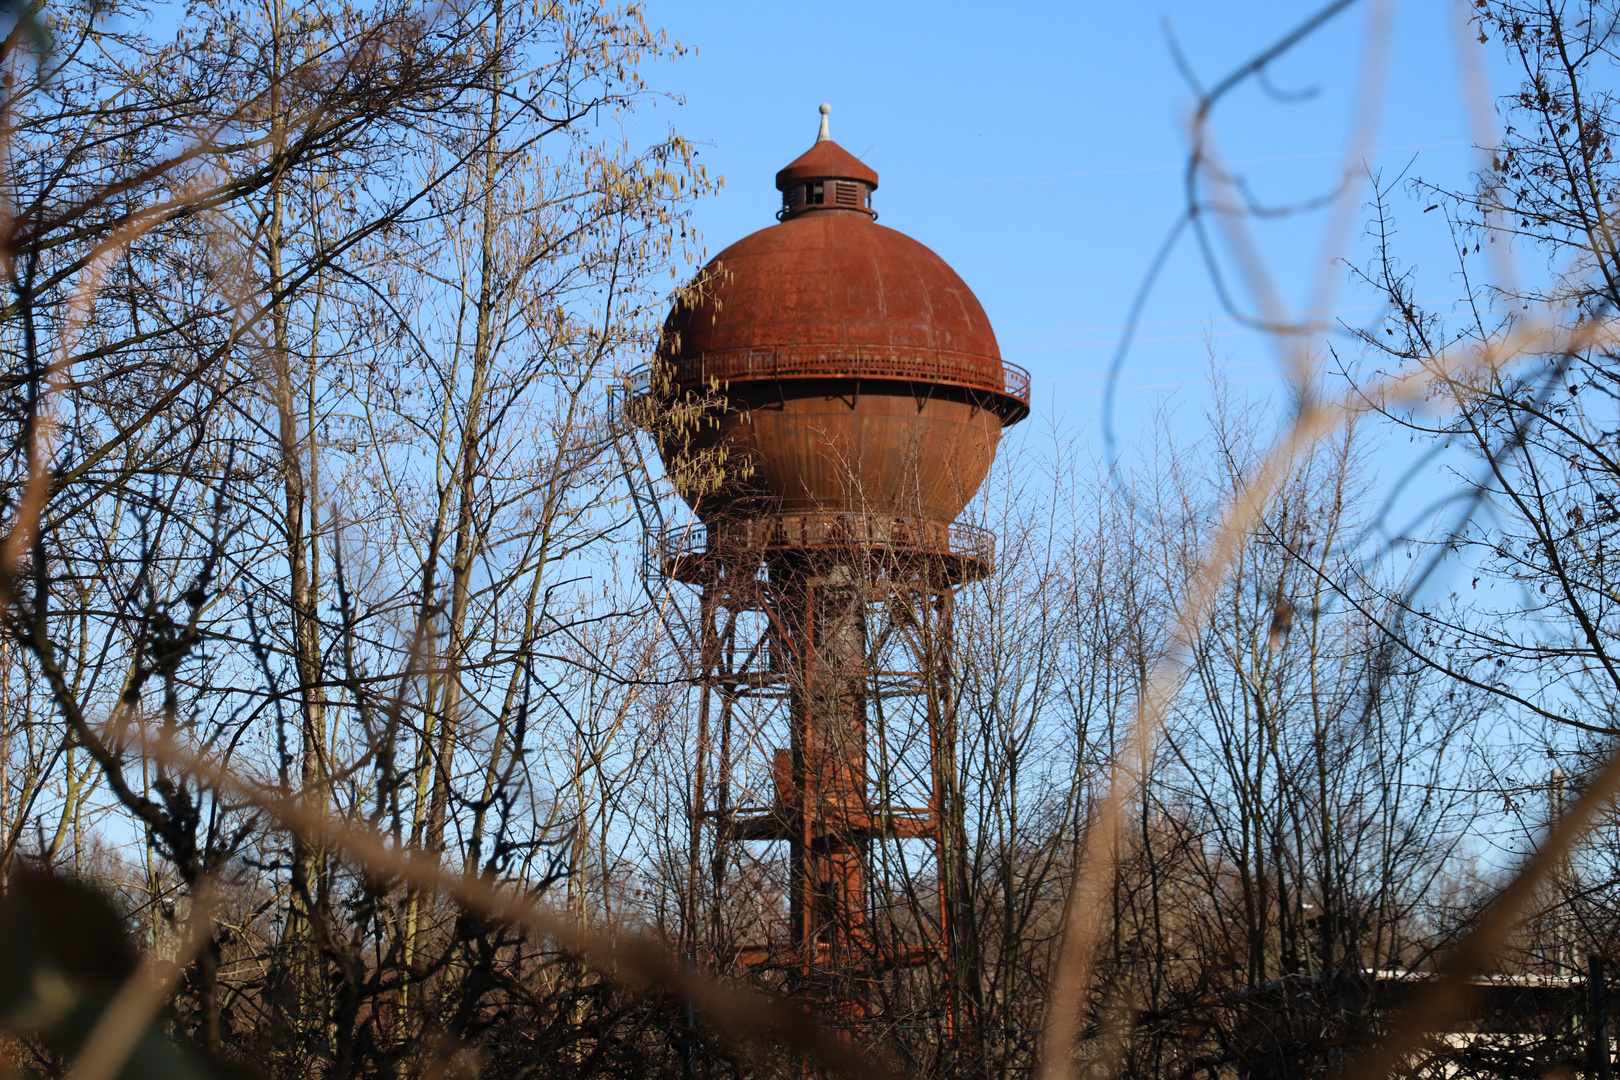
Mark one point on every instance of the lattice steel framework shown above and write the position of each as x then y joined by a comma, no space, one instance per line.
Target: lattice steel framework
841,650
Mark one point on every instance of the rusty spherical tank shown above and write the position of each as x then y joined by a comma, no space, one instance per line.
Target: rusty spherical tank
859,375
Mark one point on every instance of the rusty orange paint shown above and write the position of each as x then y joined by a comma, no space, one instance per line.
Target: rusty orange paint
860,371
862,382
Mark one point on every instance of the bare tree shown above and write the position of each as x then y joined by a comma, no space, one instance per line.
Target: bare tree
309,477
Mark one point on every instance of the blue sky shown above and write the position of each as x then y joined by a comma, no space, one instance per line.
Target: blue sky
1038,148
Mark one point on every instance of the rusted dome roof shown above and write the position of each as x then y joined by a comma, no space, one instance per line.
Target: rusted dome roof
836,279
858,374
829,293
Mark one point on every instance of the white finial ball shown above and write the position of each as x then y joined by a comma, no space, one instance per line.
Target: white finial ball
823,135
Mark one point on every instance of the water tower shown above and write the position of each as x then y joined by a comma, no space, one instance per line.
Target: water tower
851,389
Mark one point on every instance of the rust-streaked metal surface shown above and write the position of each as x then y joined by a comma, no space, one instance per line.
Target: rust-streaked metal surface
1006,392
840,282
879,452
861,372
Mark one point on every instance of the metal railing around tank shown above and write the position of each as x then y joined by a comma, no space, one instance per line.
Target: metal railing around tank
747,540
878,363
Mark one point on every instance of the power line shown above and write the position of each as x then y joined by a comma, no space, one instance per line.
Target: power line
1135,340
1153,371
1154,386
1213,319
1134,170
1164,168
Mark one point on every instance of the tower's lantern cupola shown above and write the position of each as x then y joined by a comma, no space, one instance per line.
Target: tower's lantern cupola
826,177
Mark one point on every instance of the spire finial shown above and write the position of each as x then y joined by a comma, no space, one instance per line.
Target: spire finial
823,136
